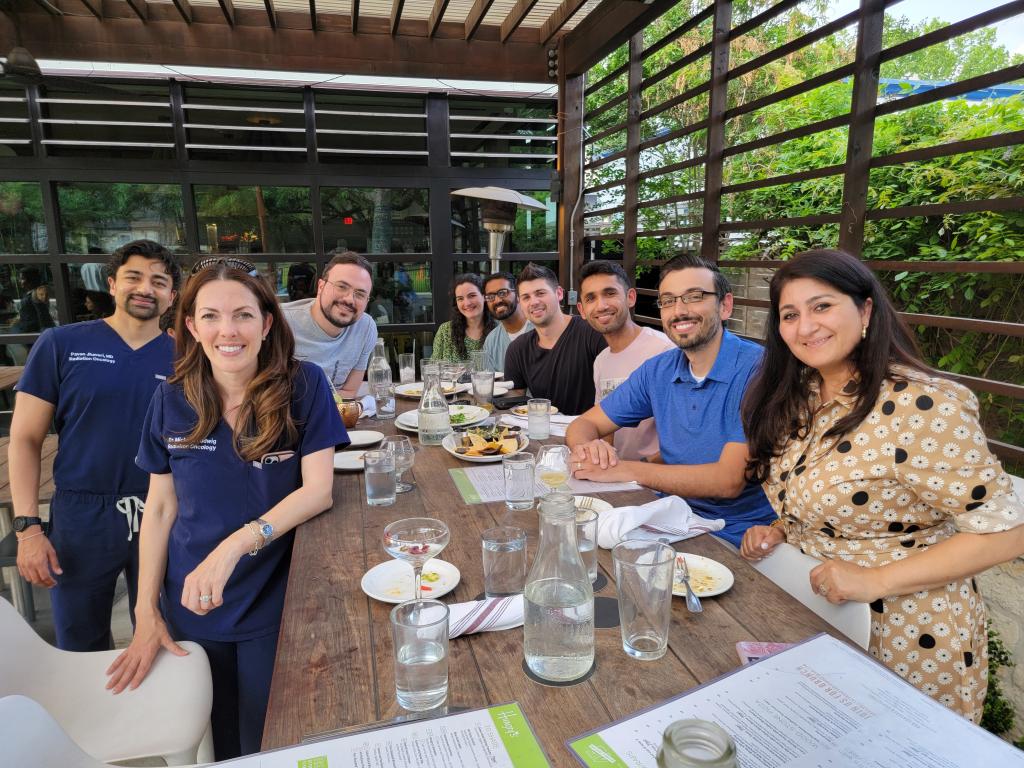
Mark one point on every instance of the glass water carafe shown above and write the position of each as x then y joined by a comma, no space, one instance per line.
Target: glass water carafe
558,628
433,421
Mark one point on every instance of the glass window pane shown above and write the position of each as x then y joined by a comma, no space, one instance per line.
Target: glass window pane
27,305
100,217
402,293
367,220
254,219
90,295
535,231
22,228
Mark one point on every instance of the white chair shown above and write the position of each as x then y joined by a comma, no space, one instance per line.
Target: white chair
788,567
168,716
33,739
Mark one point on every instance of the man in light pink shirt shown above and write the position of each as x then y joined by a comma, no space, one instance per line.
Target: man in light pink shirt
606,299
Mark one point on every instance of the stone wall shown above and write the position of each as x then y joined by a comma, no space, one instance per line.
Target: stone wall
1003,590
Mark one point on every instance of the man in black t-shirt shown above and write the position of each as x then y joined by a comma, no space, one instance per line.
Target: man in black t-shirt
556,359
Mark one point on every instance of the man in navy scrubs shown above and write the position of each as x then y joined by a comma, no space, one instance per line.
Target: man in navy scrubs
93,380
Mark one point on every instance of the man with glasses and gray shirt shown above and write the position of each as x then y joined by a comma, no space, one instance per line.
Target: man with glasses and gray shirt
332,329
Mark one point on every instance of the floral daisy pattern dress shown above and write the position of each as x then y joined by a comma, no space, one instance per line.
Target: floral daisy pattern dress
913,473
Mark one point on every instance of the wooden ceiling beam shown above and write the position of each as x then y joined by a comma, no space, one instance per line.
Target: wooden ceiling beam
604,29
396,15
185,9
228,8
312,15
141,8
559,19
355,16
440,6
476,15
49,8
271,13
515,17
94,7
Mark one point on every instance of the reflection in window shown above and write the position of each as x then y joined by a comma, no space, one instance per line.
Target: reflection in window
401,293
535,231
257,219
376,220
99,217
290,281
90,294
22,228
27,305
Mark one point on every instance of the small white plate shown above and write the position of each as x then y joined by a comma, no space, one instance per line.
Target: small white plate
707,577
522,410
501,389
414,391
410,420
392,581
589,502
449,445
499,374
361,438
348,461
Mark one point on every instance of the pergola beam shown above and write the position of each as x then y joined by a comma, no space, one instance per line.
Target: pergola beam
607,27
440,6
228,8
49,8
271,13
515,17
559,19
94,7
185,9
141,8
476,15
354,16
312,15
396,15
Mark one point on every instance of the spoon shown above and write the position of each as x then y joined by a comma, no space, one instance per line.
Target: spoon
692,601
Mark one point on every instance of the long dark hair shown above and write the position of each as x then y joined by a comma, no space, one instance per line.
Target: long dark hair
776,405
459,322
265,414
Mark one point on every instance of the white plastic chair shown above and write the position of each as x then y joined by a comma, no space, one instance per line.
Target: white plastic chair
33,739
788,567
168,716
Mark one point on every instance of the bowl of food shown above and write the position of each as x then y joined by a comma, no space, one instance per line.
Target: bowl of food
485,444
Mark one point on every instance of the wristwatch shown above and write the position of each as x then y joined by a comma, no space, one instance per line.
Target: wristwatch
21,523
266,530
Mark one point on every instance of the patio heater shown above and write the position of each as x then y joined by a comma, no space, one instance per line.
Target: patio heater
498,209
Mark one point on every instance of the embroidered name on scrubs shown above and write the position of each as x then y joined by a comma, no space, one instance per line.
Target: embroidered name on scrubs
91,357
178,444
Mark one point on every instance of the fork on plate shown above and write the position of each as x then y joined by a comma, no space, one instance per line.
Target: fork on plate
692,601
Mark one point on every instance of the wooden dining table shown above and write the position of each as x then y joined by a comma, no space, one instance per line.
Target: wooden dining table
10,375
335,663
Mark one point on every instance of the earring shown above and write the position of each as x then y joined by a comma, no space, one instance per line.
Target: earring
864,332
265,338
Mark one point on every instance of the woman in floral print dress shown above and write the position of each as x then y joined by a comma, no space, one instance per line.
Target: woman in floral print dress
880,469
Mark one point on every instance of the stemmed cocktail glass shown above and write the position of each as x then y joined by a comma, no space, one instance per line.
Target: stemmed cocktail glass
416,540
553,466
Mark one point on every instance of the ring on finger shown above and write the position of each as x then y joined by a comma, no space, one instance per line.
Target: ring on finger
823,590
205,598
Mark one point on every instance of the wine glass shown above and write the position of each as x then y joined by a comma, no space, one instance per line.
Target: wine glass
402,449
416,540
553,466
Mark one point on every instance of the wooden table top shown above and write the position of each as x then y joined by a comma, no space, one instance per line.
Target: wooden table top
335,665
9,375
48,454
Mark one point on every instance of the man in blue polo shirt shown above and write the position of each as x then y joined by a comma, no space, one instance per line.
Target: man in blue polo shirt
93,380
694,394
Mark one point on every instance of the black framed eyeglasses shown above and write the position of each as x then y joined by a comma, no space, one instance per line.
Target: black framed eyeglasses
228,261
696,296
499,294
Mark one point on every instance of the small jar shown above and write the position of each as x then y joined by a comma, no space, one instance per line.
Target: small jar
696,744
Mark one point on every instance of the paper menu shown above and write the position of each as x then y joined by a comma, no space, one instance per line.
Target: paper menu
495,737
821,704
482,485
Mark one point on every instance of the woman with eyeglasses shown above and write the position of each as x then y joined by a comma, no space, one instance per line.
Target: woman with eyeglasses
471,322
239,445
880,469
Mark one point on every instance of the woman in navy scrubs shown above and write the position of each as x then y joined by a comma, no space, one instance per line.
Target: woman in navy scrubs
239,445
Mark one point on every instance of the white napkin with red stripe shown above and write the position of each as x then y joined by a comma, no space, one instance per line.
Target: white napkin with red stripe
669,518
488,615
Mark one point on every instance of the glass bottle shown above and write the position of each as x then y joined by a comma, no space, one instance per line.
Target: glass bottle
378,371
696,744
434,424
558,627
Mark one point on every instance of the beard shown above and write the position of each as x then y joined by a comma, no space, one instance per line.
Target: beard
618,321
141,313
707,329
326,310
503,310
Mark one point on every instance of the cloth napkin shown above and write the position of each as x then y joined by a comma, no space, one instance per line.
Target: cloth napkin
667,518
559,422
488,615
369,406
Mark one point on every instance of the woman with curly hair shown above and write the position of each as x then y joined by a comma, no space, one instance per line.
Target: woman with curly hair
470,323
879,468
239,445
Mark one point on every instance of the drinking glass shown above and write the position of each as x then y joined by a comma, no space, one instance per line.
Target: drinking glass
519,480
384,397
643,577
504,560
416,540
538,414
607,386
379,476
404,451
427,365
483,388
476,361
419,629
586,540
553,466
450,373
406,368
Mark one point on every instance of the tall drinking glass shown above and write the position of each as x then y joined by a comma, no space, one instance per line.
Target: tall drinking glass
519,480
586,540
406,368
379,476
483,388
643,577
538,414
419,629
384,398
416,540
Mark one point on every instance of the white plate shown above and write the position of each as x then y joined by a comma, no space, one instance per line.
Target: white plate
521,410
449,445
361,438
589,502
349,461
410,420
707,577
499,374
501,389
391,581
414,391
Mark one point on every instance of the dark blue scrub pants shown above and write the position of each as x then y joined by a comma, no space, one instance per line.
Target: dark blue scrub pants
90,536
241,674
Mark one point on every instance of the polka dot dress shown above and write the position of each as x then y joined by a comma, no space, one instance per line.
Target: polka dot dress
913,473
